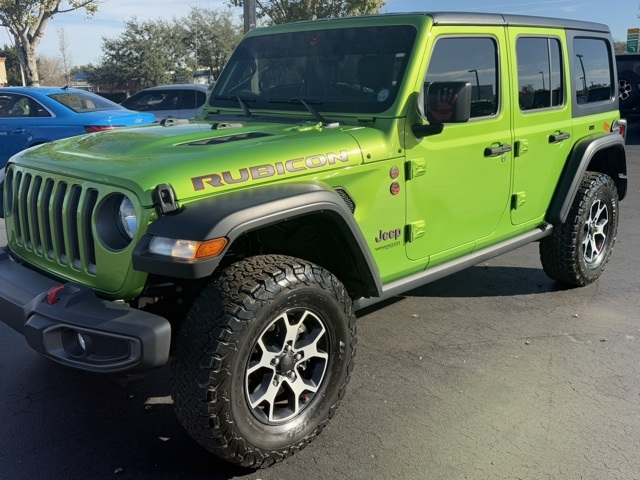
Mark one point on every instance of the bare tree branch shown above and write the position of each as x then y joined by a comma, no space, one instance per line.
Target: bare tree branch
27,20
286,11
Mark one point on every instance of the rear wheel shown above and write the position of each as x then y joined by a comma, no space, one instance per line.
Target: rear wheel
263,359
628,90
579,249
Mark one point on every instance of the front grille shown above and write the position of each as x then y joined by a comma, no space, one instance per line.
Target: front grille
52,218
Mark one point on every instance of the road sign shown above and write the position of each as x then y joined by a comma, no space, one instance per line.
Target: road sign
632,40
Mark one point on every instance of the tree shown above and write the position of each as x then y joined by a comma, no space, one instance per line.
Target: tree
285,11
619,46
27,19
147,53
163,51
210,38
65,55
51,71
12,65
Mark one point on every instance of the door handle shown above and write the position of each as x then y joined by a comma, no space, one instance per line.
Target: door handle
19,131
559,137
495,151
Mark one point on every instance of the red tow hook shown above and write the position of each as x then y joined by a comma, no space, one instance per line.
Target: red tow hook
52,294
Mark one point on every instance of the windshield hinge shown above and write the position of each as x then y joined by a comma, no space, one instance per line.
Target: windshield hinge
165,199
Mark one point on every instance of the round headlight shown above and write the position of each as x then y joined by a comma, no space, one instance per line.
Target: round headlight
128,218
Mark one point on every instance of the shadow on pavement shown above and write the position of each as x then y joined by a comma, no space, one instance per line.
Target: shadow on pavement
97,428
485,281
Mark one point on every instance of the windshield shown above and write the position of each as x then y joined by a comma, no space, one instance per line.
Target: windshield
347,70
81,102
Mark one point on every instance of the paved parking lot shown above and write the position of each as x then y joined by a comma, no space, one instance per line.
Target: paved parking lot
492,373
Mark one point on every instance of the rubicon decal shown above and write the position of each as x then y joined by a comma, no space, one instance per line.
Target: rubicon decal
267,170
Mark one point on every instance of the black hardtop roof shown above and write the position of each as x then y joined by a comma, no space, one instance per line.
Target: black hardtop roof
476,18
464,18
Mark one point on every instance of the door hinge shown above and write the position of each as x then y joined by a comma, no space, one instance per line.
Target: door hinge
415,230
416,168
518,199
521,147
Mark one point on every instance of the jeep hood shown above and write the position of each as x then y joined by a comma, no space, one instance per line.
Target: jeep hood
198,158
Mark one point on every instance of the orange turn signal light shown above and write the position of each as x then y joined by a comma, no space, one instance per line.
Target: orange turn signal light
211,248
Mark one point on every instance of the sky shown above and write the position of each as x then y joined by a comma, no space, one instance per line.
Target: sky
85,35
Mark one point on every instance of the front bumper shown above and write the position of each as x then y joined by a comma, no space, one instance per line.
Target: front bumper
78,329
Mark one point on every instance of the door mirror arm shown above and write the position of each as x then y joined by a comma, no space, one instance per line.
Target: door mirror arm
421,131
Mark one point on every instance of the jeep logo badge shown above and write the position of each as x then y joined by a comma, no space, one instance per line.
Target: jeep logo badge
384,235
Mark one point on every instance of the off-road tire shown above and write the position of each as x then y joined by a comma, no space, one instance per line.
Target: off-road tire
578,250
240,323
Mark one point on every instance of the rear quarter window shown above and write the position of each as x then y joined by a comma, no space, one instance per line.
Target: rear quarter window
592,72
591,78
628,63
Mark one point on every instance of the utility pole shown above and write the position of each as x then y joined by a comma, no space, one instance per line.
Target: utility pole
249,15
584,74
197,12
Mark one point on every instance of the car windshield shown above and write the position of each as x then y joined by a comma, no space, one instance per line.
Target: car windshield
81,102
347,70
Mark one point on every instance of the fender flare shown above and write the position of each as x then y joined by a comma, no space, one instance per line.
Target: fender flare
233,214
577,164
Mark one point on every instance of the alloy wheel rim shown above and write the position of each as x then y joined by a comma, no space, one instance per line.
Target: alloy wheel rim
595,233
624,89
287,366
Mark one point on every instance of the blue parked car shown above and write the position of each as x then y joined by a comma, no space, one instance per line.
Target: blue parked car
33,115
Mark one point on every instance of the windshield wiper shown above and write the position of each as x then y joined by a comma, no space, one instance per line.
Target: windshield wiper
306,103
240,100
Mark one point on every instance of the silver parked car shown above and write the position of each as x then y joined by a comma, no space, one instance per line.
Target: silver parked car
169,101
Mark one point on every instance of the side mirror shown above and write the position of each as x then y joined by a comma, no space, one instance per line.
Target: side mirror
447,102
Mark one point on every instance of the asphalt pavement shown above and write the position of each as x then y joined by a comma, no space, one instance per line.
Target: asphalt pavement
493,373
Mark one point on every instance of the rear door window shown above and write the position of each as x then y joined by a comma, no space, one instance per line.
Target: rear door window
540,79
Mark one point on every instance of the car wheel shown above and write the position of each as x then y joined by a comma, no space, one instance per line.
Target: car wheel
263,359
628,89
579,249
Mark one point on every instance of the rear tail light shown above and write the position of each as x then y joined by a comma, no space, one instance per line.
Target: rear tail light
620,126
100,128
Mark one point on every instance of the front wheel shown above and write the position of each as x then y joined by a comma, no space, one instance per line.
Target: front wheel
263,359
578,250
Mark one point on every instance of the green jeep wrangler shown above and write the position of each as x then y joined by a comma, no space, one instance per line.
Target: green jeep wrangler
337,163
